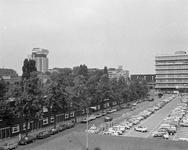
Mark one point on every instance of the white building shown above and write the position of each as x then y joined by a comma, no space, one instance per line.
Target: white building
117,73
172,71
40,56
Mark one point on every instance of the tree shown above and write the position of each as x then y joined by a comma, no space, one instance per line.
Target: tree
28,98
83,71
29,66
105,70
55,97
7,114
77,95
2,89
103,89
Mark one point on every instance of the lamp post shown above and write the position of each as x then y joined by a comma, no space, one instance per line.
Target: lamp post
87,130
87,137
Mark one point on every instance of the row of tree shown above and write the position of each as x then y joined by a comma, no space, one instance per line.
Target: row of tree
69,89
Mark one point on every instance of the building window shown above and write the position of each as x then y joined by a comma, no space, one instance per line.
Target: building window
66,116
24,126
16,128
52,118
45,121
72,114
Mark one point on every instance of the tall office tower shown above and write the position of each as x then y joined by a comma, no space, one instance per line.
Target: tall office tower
40,56
172,71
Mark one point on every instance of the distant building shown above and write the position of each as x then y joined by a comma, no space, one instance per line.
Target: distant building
172,71
40,56
117,73
7,72
9,75
149,78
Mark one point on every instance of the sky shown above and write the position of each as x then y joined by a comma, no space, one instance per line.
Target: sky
96,33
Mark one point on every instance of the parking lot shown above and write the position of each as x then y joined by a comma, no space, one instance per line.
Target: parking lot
154,121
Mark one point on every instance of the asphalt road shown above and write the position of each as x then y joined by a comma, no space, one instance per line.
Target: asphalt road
154,121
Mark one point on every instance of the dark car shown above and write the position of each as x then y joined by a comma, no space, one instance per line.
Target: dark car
43,134
151,99
70,125
106,119
53,131
160,95
104,113
26,140
63,126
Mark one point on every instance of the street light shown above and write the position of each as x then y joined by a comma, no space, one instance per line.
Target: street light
87,137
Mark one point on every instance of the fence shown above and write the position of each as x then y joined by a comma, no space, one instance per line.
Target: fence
5,133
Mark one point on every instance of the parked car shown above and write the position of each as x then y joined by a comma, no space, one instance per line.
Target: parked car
26,140
164,135
70,125
85,120
150,99
93,129
106,119
53,131
141,128
43,134
98,115
110,111
170,131
104,113
183,139
9,146
184,124
92,117
63,126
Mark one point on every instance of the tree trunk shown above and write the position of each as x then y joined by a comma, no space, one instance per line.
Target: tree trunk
26,127
75,116
54,120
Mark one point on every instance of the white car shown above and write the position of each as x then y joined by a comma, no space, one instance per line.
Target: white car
141,129
119,132
93,129
183,139
98,115
126,126
92,117
119,127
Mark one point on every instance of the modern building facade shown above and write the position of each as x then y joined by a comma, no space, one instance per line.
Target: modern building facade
117,73
172,71
149,78
40,56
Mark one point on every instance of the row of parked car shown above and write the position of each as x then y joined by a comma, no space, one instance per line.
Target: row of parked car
170,124
136,119
41,135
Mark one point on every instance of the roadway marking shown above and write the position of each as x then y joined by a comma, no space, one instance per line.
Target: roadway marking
151,117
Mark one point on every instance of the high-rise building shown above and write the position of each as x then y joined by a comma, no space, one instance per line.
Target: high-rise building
172,71
40,56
